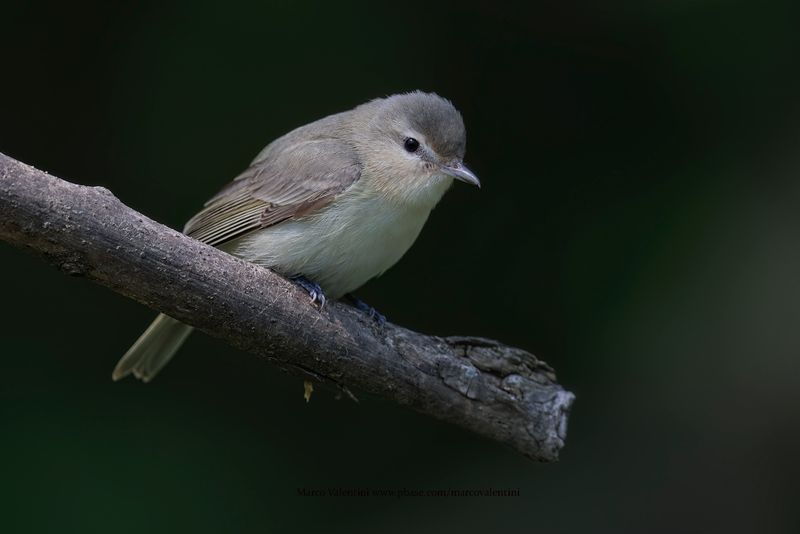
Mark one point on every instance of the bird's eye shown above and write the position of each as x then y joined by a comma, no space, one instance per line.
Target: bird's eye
411,144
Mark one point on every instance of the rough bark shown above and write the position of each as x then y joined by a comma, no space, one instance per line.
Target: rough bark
497,391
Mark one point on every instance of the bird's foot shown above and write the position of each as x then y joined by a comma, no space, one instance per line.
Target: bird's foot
314,291
366,308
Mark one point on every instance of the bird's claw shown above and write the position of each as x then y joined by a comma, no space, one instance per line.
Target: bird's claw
366,308
318,297
313,289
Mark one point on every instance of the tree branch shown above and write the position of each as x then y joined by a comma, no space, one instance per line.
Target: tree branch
500,392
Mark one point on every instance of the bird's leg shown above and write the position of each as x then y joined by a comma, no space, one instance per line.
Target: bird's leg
366,308
314,291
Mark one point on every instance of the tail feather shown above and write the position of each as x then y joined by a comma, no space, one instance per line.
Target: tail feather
153,350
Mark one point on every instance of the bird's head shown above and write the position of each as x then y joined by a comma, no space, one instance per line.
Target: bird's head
412,146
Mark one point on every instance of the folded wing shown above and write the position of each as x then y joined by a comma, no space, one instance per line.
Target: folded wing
291,178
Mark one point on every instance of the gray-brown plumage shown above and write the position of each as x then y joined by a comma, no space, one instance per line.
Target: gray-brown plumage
294,175
337,201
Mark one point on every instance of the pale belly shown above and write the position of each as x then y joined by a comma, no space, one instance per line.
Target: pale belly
341,247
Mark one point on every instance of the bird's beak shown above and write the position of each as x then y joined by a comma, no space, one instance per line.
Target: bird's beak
460,172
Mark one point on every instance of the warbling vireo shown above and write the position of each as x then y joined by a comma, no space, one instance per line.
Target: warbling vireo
331,204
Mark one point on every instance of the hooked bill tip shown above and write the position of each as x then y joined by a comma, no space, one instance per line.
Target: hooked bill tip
460,172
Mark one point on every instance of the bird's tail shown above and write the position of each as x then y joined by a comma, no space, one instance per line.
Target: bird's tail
153,350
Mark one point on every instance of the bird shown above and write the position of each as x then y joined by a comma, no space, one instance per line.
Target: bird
329,205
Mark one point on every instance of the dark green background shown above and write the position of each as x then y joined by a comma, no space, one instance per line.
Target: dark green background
638,229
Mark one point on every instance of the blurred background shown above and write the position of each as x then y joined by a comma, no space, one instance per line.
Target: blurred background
638,229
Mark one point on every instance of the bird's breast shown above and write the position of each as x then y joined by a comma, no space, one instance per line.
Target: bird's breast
353,239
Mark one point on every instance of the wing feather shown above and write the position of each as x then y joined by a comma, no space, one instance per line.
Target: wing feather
291,178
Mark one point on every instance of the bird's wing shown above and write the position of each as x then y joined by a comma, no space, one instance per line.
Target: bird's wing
288,180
